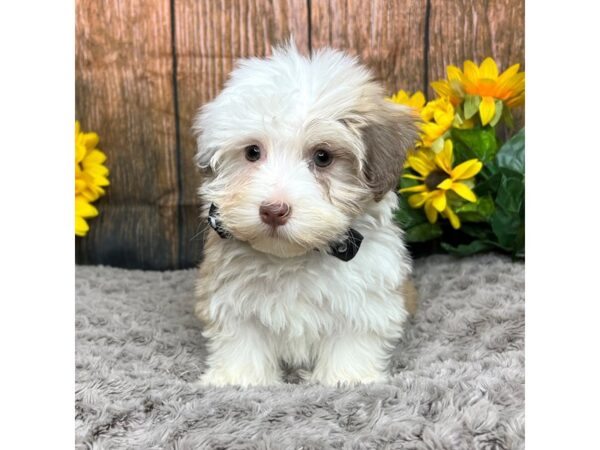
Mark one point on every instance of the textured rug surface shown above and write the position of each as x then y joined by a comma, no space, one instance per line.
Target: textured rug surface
458,373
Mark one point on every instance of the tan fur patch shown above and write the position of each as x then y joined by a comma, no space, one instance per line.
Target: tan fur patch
205,283
388,138
410,295
348,192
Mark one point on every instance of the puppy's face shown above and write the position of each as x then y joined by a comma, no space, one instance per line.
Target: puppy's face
296,148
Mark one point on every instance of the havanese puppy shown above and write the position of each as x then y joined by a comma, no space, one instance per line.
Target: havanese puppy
304,265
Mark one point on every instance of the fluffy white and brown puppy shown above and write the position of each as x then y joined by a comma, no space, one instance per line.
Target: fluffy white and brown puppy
302,156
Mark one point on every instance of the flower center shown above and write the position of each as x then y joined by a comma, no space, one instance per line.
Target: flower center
434,178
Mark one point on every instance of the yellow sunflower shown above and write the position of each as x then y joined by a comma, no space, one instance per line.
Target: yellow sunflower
90,177
485,82
439,177
438,116
83,210
416,101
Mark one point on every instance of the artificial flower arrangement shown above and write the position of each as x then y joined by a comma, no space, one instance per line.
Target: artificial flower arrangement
463,186
91,176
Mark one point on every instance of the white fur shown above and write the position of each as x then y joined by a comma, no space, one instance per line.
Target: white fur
273,296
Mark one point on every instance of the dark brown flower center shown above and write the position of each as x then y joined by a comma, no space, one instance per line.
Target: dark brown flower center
434,178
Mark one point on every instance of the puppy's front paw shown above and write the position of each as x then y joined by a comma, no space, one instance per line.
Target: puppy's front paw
241,355
219,377
351,359
333,378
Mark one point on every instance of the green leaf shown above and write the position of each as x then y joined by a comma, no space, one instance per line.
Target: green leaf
508,118
479,211
474,143
506,172
408,217
511,195
423,232
512,154
509,230
498,114
458,121
458,116
471,105
482,232
467,249
488,180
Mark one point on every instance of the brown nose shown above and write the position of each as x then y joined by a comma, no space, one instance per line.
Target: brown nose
274,214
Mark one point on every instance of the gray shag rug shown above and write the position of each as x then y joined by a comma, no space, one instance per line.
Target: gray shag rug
458,374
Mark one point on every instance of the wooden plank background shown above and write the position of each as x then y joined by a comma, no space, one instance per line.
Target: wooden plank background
143,68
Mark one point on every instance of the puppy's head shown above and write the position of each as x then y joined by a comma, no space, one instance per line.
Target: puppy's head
296,148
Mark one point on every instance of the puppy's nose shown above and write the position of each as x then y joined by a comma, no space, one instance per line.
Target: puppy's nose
274,214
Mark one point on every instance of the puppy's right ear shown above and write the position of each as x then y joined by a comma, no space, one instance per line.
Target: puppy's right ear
204,151
390,132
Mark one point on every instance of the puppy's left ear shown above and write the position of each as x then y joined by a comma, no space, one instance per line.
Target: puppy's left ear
391,130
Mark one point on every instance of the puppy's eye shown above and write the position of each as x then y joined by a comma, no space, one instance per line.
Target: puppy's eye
252,153
322,158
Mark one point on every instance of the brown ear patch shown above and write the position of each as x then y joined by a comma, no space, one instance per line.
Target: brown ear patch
388,135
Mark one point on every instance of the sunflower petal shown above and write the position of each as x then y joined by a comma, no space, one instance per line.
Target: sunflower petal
441,87
443,159
508,73
454,73
94,157
80,185
465,170
431,131
452,217
96,170
80,152
400,97
92,194
488,69
81,226
471,71
83,208
101,181
417,200
518,100
418,99
445,185
439,201
421,165
90,140
413,177
462,190
430,212
418,188
517,81
487,110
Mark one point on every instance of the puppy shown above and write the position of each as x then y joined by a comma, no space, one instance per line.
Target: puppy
305,264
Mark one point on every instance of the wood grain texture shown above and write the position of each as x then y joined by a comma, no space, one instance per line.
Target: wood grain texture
387,35
475,29
139,85
124,92
210,36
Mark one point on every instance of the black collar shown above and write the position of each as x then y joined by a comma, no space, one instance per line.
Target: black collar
345,249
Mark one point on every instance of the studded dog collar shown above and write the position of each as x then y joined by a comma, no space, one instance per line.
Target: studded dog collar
345,249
